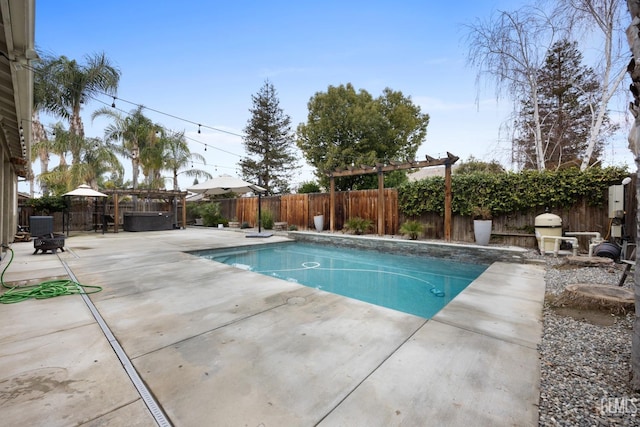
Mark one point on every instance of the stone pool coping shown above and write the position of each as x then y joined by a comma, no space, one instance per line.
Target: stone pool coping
462,252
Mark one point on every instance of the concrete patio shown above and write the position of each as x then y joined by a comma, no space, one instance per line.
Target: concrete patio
220,346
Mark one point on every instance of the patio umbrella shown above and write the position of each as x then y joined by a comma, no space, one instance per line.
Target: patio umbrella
85,191
228,184
225,184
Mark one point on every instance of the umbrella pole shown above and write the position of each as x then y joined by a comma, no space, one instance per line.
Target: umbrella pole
259,213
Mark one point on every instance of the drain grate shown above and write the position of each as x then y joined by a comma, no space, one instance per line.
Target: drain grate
148,400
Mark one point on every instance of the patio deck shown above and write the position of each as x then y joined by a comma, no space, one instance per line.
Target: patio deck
221,346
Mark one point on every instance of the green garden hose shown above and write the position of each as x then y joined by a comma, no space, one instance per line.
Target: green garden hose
46,289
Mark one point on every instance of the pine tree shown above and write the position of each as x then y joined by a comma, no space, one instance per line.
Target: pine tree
566,92
269,142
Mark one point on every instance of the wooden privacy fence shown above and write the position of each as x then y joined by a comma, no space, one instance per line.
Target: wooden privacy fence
511,229
299,209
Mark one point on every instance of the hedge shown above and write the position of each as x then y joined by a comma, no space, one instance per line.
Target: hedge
510,192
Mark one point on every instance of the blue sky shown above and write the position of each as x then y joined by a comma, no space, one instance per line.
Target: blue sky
203,60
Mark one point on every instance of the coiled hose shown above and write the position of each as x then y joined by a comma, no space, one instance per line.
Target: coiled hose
46,289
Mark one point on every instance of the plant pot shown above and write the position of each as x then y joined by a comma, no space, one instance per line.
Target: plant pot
199,221
318,222
482,231
234,224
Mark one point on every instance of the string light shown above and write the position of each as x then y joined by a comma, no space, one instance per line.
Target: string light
185,136
200,125
84,95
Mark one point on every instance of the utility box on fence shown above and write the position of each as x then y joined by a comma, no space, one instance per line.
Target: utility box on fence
548,224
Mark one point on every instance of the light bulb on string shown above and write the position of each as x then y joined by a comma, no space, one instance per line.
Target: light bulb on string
199,132
113,104
205,147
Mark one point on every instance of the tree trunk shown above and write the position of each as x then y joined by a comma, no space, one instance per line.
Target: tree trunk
604,19
594,131
635,339
39,134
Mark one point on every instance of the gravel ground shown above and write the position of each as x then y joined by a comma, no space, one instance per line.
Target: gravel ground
585,355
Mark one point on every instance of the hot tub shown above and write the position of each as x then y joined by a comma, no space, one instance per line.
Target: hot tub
147,221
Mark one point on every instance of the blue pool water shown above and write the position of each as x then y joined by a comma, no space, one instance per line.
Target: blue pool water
412,284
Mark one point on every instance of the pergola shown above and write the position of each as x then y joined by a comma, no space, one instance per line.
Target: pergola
380,169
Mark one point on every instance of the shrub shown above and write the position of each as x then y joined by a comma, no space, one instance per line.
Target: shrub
193,210
412,228
267,219
47,204
211,214
357,225
293,227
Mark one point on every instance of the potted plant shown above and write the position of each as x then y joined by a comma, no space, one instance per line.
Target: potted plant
318,221
482,225
234,223
412,229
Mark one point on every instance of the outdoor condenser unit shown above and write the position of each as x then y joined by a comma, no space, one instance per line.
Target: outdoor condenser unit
616,209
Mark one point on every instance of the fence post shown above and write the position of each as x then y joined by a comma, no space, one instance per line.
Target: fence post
447,202
332,204
381,229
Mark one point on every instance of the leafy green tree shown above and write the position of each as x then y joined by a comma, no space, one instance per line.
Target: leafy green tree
178,159
473,165
309,187
62,85
565,92
346,128
269,142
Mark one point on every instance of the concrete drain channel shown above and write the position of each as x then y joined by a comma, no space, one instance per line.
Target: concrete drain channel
146,396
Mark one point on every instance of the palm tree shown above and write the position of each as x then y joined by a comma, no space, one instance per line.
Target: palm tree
151,157
95,160
61,86
177,156
134,132
55,179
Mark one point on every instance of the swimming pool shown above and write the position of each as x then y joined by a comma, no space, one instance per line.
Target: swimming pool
412,284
